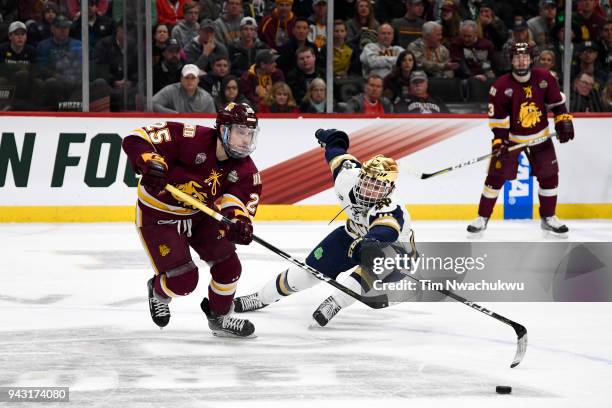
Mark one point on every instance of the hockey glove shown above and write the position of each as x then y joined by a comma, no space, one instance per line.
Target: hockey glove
364,251
239,231
332,137
564,127
154,172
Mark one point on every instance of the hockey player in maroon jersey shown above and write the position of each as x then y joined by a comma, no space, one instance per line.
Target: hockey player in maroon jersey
212,165
518,107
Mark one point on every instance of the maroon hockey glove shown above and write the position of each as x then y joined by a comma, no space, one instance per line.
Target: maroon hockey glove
239,231
500,149
154,171
564,127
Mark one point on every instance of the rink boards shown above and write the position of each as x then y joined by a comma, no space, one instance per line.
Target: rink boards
71,168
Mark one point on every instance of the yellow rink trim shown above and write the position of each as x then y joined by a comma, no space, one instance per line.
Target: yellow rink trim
281,212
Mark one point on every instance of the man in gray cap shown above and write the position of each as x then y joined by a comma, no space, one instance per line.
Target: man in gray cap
541,25
419,100
257,81
168,70
185,96
204,48
243,50
16,61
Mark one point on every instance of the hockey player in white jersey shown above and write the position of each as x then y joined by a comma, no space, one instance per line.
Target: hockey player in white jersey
365,193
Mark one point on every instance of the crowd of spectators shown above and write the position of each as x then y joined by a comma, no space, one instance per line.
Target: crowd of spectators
389,56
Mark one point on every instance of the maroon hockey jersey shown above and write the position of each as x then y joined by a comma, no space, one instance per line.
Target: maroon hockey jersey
518,111
233,185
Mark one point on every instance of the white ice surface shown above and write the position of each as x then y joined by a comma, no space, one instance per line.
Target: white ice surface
73,312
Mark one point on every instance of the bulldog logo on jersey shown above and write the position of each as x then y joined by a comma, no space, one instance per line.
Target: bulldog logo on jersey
529,115
164,250
193,189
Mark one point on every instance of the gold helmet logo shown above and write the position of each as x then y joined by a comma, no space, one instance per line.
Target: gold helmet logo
376,181
529,115
381,168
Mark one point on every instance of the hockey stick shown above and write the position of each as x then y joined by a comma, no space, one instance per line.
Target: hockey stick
519,329
375,302
424,176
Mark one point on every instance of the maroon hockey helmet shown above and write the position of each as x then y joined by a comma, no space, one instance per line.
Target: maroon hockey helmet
521,48
241,119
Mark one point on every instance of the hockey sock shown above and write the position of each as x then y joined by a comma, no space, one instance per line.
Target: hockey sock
287,282
548,195
342,299
222,286
489,196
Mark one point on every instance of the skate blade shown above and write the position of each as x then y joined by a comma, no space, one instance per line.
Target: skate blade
220,333
546,234
475,235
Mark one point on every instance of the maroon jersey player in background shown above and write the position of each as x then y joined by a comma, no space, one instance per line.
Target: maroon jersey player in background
518,106
212,165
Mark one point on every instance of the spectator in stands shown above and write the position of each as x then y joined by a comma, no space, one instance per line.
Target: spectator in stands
346,59
546,60
306,70
100,26
168,70
110,53
606,95
210,8
205,47
558,36
185,96
371,101
257,81
584,97
275,29
229,92
409,27
74,8
131,7
227,26
286,59
187,28
243,50
30,10
541,25
468,9
450,21
397,83
317,28
431,56
302,8
586,56
520,33
387,10
419,100
170,11
219,69
59,64
8,14
473,54
161,35
16,66
38,31
605,47
490,26
363,20
279,100
379,58
315,99
589,20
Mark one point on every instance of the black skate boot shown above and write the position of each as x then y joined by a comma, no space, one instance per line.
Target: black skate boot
326,311
160,312
227,325
477,227
552,226
248,303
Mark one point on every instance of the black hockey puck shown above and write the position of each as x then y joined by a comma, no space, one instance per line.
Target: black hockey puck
503,389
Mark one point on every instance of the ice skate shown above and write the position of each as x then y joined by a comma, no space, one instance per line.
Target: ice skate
326,311
248,303
476,228
227,325
160,311
552,227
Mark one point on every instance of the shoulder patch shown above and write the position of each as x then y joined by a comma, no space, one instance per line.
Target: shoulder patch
200,158
509,92
543,84
493,91
232,177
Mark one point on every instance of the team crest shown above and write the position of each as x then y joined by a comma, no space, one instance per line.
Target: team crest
193,189
528,91
164,250
509,92
529,115
232,177
200,158
543,84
